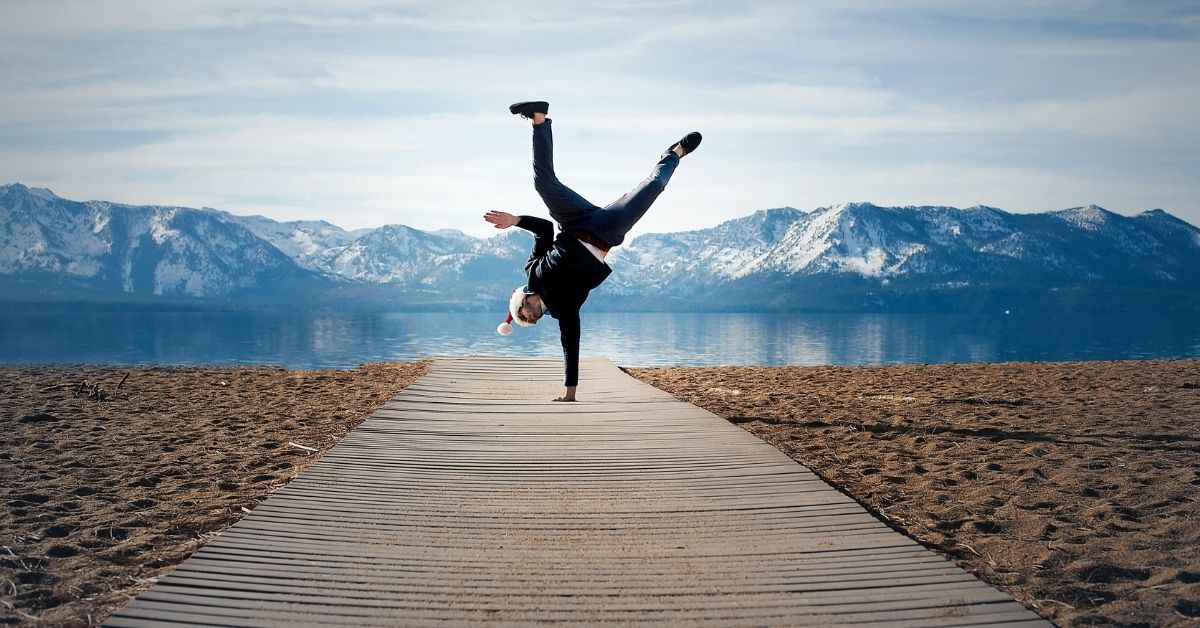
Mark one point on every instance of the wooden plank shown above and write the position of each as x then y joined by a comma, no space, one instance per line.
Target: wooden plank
470,499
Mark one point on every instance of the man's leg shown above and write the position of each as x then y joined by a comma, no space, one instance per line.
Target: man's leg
613,222
568,209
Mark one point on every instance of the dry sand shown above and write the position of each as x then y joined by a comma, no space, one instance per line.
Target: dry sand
106,486
1071,485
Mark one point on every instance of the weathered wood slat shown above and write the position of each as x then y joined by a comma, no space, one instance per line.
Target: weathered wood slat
470,498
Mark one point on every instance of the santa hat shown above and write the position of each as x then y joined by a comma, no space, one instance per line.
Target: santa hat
514,305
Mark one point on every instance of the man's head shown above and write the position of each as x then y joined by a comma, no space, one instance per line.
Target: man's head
526,307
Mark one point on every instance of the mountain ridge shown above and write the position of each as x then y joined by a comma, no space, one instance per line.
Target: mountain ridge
849,256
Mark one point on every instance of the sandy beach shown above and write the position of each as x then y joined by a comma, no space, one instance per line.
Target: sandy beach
111,476
1071,485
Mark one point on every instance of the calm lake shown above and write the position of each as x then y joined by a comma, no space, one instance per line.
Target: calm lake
56,334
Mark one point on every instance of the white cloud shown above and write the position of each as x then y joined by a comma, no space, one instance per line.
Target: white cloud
369,112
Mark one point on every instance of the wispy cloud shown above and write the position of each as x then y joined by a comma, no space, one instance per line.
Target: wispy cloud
367,112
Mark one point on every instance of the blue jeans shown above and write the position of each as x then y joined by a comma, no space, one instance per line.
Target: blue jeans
572,211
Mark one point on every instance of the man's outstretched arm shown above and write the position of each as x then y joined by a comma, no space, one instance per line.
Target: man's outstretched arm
542,229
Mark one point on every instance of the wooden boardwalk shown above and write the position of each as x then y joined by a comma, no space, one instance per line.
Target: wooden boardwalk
470,498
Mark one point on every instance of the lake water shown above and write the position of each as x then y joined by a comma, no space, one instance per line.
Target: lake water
334,340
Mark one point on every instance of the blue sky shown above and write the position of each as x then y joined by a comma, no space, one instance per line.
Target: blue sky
365,113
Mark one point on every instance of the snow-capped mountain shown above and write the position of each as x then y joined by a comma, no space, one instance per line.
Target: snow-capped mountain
854,255
62,246
54,247
397,254
302,240
860,242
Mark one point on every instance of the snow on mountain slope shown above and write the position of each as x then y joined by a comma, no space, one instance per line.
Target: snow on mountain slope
207,253
41,233
302,240
393,254
731,249
148,250
976,244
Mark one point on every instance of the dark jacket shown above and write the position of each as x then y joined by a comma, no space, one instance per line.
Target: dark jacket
563,271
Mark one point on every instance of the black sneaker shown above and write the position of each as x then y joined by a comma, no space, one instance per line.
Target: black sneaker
689,142
527,109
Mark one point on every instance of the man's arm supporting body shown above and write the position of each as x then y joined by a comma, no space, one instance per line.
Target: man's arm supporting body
569,330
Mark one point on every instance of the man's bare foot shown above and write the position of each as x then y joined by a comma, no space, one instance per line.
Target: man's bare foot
564,399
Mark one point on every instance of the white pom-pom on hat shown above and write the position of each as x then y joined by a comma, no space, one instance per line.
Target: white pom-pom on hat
505,328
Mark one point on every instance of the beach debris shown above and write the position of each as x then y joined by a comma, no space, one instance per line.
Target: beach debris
122,382
1189,385
38,417
91,391
1050,601
970,548
885,397
725,391
304,447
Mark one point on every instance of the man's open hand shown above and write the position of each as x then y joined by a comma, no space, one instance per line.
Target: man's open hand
502,220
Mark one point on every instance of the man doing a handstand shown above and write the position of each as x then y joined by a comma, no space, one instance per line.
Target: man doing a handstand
563,269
